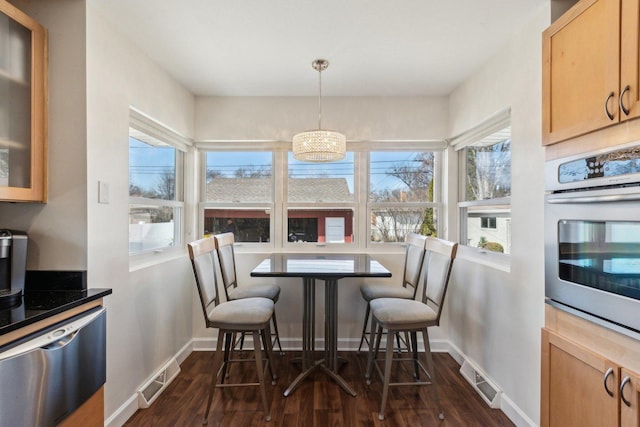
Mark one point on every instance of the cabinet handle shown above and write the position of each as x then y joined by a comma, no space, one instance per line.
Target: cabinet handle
622,107
606,376
606,106
625,381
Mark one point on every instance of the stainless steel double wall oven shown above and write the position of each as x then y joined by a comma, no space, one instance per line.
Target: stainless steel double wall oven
592,234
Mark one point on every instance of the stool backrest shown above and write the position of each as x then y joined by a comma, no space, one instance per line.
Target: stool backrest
226,257
439,261
414,258
201,253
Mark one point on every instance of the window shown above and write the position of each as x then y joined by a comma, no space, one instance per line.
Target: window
369,198
401,195
488,222
321,201
156,195
485,206
238,193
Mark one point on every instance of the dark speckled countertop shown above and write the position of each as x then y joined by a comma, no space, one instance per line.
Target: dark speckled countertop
46,294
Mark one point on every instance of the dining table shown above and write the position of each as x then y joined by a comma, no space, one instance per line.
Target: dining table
329,268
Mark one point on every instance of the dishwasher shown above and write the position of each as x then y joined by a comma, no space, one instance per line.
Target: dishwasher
45,376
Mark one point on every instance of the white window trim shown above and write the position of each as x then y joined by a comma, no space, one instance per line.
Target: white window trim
361,205
145,124
496,122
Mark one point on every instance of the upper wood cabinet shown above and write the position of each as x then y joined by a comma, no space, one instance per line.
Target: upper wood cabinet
590,76
23,115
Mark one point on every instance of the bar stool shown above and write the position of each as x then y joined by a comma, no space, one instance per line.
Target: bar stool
396,315
248,315
414,256
226,256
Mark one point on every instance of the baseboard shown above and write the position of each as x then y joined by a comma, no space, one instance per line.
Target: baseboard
514,413
123,413
131,405
507,406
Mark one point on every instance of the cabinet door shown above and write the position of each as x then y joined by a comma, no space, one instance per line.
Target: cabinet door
579,387
22,106
580,75
630,397
630,60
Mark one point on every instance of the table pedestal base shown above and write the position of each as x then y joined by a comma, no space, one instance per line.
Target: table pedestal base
331,363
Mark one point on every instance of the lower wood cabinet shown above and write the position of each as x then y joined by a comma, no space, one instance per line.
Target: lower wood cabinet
590,374
629,397
580,387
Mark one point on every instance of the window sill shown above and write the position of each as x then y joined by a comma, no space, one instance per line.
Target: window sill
150,259
495,260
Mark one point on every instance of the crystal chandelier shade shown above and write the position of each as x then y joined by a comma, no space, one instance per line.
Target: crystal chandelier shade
319,145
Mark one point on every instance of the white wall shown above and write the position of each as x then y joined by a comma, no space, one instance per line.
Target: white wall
359,118
494,316
150,310
58,229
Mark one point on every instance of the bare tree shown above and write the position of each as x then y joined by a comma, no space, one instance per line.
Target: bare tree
489,171
393,224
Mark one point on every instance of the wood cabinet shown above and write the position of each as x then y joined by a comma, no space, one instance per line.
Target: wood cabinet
581,385
589,374
23,116
629,397
591,72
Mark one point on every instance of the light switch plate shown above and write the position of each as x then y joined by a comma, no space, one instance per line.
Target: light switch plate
103,192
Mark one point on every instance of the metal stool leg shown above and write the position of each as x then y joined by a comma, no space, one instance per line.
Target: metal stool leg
258,355
388,360
217,359
432,371
275,329
364,328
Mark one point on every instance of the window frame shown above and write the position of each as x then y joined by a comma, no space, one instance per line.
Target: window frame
497,122
279,204
436,204
140,123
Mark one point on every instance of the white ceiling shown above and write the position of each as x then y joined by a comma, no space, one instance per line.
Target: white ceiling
265,47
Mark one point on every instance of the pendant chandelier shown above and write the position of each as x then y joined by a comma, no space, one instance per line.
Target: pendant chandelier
319,145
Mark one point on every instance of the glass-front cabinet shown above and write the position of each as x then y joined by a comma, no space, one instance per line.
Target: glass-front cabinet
23,83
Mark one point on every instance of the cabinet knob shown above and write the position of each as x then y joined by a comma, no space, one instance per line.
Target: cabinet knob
625,381
606,106
620,103
606,377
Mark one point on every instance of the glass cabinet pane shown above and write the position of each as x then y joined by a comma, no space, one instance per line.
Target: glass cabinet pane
15,103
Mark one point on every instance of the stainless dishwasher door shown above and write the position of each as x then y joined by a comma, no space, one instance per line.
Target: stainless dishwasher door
46,377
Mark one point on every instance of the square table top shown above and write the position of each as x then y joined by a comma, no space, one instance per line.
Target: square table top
329,266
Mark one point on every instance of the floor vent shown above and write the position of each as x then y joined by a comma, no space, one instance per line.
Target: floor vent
489,392
152,388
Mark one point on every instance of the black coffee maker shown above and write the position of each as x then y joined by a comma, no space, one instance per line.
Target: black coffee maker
13,265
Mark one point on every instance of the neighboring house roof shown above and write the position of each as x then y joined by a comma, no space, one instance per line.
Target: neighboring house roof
258,190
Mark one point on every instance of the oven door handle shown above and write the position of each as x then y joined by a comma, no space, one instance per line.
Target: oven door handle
594,199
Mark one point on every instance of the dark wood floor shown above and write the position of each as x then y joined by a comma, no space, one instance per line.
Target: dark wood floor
317,402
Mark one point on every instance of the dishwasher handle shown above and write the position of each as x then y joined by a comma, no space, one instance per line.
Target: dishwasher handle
59,337
62,342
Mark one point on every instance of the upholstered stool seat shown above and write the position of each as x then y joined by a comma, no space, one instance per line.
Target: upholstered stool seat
271,292
241,314
371,291
402,313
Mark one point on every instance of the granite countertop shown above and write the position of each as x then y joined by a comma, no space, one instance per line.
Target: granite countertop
46,294
39,305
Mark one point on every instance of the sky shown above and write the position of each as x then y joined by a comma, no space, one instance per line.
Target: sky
149,163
